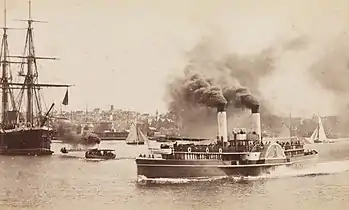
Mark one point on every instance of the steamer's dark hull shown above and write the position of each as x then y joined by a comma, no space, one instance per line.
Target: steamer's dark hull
25,142
161,168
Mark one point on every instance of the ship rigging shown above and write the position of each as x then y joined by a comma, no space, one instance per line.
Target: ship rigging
24,135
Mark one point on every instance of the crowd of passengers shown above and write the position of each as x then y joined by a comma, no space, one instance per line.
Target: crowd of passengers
285,145
241,144
290,145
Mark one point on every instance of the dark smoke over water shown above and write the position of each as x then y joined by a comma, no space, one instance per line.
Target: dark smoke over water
67,132
211,78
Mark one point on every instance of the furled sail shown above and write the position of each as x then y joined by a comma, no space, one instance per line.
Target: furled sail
65,99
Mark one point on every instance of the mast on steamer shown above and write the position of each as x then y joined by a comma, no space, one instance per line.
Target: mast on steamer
30,83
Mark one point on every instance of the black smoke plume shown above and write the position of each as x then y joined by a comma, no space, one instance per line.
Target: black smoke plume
212,78
202,91
242,98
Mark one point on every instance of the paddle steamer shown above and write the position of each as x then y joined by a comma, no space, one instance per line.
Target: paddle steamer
244,154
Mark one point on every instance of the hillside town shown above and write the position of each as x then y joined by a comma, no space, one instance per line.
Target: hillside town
119,121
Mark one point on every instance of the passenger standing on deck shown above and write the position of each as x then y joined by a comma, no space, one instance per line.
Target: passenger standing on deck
234,135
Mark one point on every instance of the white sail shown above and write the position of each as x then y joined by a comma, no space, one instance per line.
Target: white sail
322,135
319,135
140,136
313,136
132,135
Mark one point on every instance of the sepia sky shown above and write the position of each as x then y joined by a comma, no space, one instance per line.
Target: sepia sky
123,52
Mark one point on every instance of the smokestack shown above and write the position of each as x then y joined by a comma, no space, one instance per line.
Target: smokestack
256,121
222,122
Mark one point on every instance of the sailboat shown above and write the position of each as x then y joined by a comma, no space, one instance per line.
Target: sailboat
135,136
21,135
319,135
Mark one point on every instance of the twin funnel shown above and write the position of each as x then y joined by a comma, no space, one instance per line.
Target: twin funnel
256,121
222,121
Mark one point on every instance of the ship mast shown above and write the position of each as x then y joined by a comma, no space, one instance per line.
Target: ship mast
32,73
6,75
3,55
30,83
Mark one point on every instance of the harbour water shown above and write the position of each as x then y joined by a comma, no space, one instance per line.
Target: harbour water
71,182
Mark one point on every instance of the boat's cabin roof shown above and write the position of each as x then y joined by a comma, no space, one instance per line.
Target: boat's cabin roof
105,150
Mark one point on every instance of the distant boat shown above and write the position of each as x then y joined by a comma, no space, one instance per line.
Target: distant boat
319,135
135,136
106,131
112,135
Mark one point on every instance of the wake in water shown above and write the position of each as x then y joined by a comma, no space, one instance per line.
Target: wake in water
319,169
325,168
81,157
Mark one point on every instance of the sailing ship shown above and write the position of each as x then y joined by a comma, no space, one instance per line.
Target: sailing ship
319,134
245,154
21,135
135,136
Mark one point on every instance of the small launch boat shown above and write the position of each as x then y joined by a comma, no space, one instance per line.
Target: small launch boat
243,155
105,154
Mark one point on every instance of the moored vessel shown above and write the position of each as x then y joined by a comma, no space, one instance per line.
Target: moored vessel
113,135
106,132
245,154
29,134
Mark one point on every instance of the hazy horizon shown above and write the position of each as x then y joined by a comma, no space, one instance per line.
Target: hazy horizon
124,52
